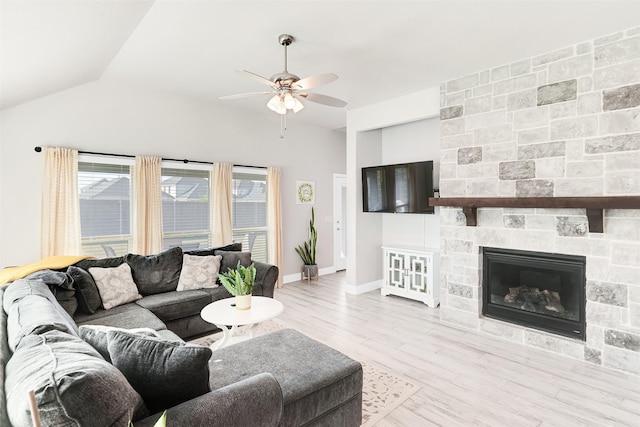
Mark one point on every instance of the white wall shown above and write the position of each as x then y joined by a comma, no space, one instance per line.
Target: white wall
412,142
116,118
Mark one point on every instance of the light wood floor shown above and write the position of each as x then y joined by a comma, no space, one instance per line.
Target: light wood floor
466,378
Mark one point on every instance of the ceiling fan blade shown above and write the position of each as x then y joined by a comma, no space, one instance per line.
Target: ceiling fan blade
259,78
243,95
315,81
323,99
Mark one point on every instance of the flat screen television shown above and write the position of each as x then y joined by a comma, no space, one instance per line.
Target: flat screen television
399,188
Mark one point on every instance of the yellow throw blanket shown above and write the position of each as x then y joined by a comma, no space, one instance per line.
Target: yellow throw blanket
11,274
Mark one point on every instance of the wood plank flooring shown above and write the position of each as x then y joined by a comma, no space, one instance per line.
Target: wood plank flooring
465,378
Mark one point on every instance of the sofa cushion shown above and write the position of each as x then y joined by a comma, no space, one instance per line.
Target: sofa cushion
211,251
231,259
165,373
199,272
175,305
124,316
96,336
314,378
86,290
22,287
116,285
61,286
86,264
155,274
74,386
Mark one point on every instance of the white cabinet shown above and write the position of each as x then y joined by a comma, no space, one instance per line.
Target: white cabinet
412,273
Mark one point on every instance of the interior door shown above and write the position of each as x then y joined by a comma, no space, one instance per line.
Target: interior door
339,224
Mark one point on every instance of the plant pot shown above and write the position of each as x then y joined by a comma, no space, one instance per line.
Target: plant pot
243,302
310,271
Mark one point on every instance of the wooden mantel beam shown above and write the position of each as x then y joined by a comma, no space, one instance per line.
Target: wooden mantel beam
594,205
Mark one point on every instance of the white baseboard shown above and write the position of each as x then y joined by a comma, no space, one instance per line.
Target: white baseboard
365,287
296,276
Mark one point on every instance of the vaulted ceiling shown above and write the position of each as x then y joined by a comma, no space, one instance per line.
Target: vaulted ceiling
379,49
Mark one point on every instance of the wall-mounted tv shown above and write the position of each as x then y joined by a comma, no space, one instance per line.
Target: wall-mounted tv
400,188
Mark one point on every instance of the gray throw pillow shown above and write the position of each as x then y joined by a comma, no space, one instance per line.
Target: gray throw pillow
155,274
230,260
74,386
96,336
87,291
165,373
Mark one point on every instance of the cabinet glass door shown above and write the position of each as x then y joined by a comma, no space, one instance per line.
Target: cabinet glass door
396,277
419,269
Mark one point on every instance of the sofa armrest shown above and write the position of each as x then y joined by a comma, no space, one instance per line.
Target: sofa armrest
254,401
266,278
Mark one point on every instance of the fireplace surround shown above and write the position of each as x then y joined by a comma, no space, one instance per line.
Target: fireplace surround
540,290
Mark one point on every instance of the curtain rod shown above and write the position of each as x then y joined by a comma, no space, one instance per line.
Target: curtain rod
39,149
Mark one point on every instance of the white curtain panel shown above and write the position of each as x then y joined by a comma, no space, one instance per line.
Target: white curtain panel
147,232
60,219
221,182
274,221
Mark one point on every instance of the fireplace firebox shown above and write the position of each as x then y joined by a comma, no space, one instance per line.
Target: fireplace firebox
544,291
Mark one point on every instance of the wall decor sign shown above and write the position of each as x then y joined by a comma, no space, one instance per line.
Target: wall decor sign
305,192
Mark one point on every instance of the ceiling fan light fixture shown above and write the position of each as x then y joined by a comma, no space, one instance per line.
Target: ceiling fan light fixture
289,101
276,104
297,105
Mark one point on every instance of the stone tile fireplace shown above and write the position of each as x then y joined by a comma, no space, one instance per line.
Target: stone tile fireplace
561,124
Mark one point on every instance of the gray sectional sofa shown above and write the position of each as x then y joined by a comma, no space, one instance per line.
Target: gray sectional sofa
108,366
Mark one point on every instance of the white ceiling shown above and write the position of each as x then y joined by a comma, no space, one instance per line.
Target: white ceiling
380,49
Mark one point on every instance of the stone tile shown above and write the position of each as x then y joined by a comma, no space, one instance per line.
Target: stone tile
589,103
456,141
499,238
507,189
530,136
591,247
469,155
452,127
634,315
494,134
598,267
556,55
607,293
503,152
484,77
455,98
595,336
478,104
464,304
575,150
535,188
543,76
460,318
628,361
484,120
514,221
515,84
578,127
602,314
521,67
616,75
482,187
563,109
585,84
585,169
610,38
624,275
626,253
531,118
453,188
622,183
460,290
626,229
448,170
478,170
520,100
615,53
592,355
500,73
622,161
463,83
537,151
449,155
459,245
579,187
623,97
550,168
540,222
517,170
545,341
571,68
504,330
621,339
623,121
583,48
481,90
571,226
499,102
609,144
451,112
557,92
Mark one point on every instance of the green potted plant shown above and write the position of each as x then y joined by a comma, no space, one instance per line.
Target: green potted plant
307,250
239,283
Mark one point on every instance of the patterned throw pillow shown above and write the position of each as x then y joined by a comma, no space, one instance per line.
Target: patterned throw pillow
116,285
199,272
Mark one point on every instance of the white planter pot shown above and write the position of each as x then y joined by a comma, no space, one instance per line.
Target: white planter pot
243,302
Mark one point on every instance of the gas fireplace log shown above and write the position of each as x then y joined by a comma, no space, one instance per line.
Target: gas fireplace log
532,299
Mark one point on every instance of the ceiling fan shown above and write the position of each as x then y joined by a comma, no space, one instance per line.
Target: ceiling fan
288,89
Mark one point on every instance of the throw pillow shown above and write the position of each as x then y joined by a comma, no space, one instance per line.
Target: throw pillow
155,274
234,247
230,260
199,272
61,286
96,336
73,385
165,373
87,292
116,286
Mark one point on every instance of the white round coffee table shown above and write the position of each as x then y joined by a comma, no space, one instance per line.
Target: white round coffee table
224,314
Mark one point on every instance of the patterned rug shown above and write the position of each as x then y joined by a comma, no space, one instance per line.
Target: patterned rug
382,390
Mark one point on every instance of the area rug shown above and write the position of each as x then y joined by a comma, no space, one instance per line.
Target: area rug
382,390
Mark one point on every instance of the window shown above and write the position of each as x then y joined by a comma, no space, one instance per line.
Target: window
185,208
249,210
105,207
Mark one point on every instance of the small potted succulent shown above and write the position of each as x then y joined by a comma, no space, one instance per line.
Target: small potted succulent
307,250
239,283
